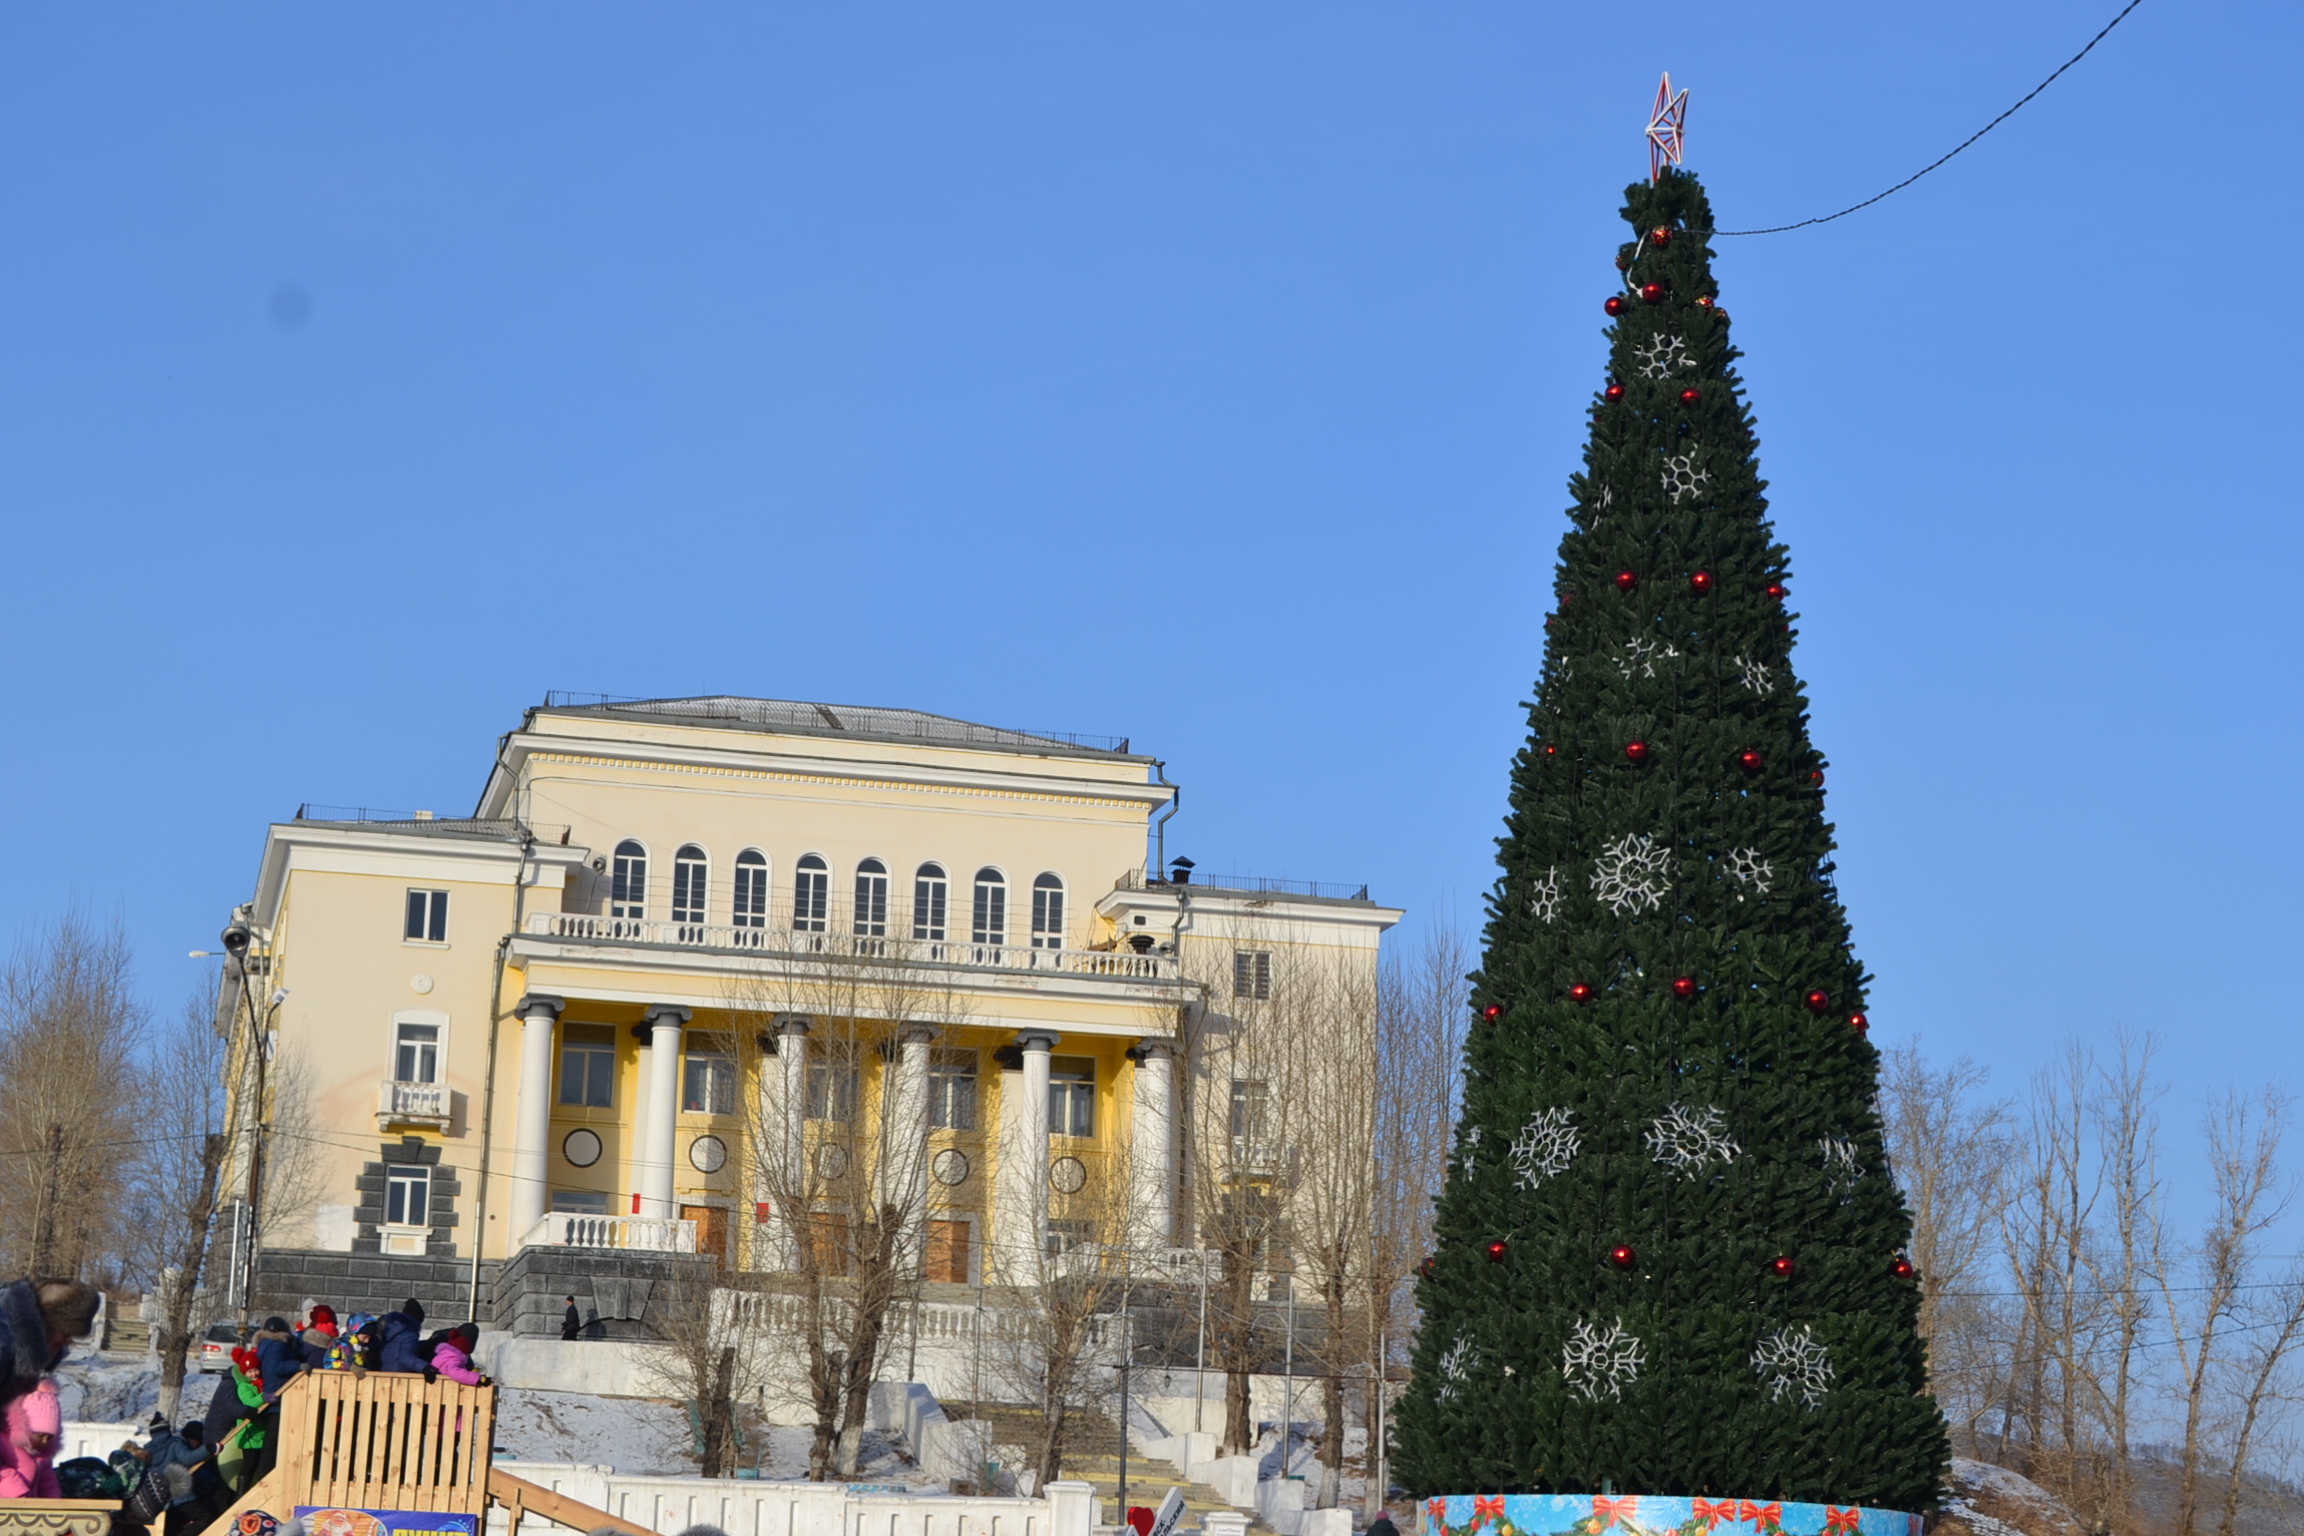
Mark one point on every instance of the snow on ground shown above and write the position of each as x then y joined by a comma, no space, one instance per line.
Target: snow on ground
122,1389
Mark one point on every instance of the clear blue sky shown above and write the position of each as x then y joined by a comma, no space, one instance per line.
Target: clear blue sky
1207,374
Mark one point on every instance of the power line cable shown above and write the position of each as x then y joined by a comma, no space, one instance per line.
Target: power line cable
1963,144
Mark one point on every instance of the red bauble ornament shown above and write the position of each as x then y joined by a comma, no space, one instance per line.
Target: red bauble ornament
1551,751
1660,236
1748,761
1684,987
1691,396
1859,1023
1626,581
1612,393
1723,314
1623,263
1652,292
1776,590
1636,752
1818,1000
1580,993
1902,1268
1615,304
1622,1257
1492,1012
1703,301
1425,1269
1495,1250
1816,777
1781,1266
1700,583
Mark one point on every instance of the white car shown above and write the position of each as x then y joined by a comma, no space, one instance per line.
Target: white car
216,1346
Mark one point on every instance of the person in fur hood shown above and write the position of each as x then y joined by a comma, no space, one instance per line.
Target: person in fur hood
39,1319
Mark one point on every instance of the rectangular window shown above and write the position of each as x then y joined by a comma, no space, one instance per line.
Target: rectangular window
708,1086
588,1065
581,1202
871,904
416,1053
751,894
407,1195
811,896
688,890
831,1092
1047,916
1252,973
427,917
1065,1236
1251,1104
928,906
952,1090
1071,1095
991,924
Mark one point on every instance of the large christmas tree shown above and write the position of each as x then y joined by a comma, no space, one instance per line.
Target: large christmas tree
1670,1254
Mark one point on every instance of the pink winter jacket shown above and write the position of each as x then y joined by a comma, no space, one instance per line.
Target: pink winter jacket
26,1473
451,1361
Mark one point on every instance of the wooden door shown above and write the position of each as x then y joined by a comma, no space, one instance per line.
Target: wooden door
828,1235
711,1229
947,1255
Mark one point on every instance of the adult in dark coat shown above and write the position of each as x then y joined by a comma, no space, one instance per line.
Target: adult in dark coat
279,1356
403,1335
571,1323
38,1322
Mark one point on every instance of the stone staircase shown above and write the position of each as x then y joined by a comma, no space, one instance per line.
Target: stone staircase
1092,1456
126,1335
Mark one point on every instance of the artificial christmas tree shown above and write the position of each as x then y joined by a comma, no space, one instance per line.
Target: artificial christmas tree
1669,1250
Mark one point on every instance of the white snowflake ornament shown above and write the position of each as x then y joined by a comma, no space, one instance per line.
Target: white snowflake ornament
1641,655
1628,877
1755,676
1601,1365
1545,1147
1685,476
1789,1362
1684,1140
1661,356
1544,896
1457,1363
1840,1165
1750,871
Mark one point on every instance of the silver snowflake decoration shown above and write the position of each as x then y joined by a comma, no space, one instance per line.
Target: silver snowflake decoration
1661,356
1629,874
1471,1140
1756,676
1599,1365
1457,1363
1748,869
1544,896
1791,1362
1684,1140
1545,1147
1840,1165
1641,656
1685,477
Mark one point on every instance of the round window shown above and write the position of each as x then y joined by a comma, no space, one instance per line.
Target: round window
1067,1175
831,1161
950,1166
581,1147
709,1154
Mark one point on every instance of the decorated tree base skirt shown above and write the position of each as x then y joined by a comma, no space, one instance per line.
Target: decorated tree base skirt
1636,1514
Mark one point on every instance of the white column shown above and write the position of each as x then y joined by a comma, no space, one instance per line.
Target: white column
904,1163
662,1133
1034,1134
791,1149
1152,1147
532,1116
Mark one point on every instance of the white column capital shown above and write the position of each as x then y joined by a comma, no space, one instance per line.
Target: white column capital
534,1003
916,1034
1153,1048
1037,1041
792,1024
661,1014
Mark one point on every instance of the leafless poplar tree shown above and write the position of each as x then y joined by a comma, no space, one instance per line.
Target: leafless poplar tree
174,1182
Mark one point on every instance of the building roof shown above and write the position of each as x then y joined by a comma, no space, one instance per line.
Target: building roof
869,721
414,823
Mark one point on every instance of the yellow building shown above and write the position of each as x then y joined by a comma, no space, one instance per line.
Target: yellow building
707,975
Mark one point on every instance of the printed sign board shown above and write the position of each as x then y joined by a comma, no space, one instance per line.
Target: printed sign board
1170,1514
328,1520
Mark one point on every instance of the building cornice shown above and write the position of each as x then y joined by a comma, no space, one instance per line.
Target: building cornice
362,849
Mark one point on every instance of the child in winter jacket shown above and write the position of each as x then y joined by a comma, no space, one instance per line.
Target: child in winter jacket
35,1421
453,1359
318,1337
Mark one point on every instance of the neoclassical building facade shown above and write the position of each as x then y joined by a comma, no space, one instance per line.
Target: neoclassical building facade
717,975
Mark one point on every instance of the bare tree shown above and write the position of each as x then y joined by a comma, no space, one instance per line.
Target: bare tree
717,1355
2046,1228
174,1181
71,1035
2127,1130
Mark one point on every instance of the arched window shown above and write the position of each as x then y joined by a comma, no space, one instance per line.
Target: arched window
1048,912
928,892
990,924
872,899
751,890
628,894
688,871
811,895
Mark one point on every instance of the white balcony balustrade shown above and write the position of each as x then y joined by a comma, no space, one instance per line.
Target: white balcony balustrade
405,1103
1124,964
630,1234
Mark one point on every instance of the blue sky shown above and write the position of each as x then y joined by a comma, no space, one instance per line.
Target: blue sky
1207,374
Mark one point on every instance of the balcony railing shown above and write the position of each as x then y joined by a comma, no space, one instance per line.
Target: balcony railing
403,1103
789,943
632,1234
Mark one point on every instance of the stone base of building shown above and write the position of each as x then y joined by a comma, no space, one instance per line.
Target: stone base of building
1639,1514
367,1282
620,1294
